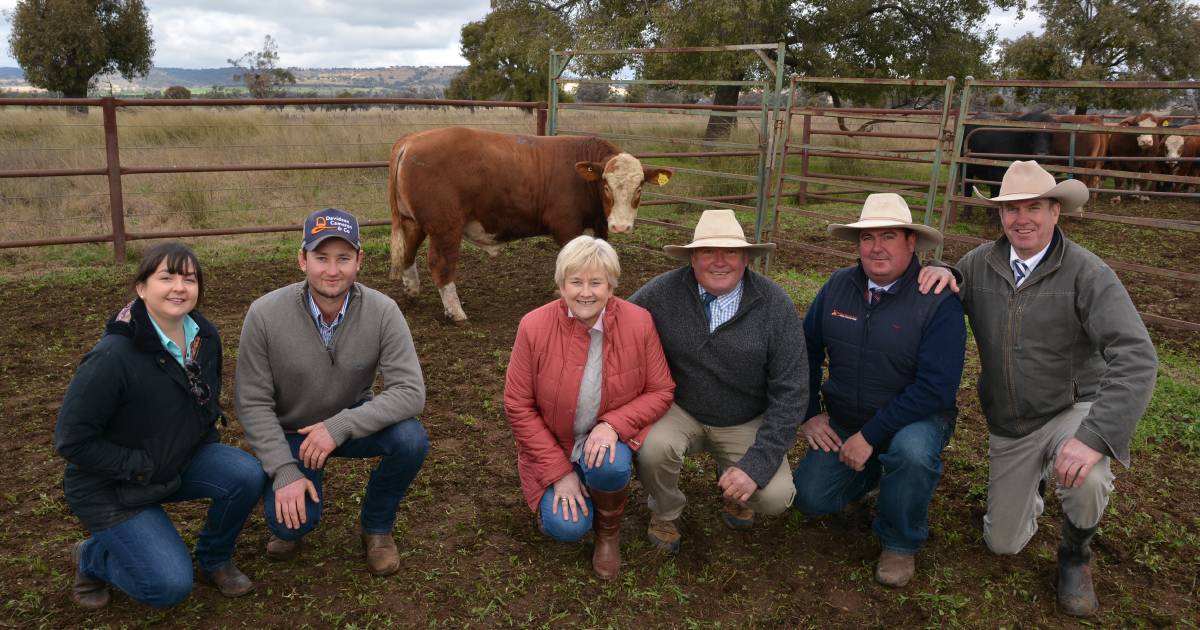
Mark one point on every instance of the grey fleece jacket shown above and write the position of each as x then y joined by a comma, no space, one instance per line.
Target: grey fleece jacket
1069,333
288,379
754,364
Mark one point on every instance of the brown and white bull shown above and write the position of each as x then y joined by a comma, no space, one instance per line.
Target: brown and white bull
1087,145
1134,145
1180,151
490,188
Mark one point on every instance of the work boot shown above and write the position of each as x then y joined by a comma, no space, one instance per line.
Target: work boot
88,591
1076,597
895,569
737,515
382,556
610,511
229,580
663,534
282,550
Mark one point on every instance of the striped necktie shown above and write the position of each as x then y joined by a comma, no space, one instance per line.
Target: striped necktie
1020,271
708,299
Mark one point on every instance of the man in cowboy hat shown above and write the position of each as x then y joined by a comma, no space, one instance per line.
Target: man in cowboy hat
735,347
1067,369
895,362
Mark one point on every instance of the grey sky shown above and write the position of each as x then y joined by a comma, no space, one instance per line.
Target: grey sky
332,33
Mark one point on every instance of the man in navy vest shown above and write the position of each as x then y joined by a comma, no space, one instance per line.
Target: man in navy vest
887,408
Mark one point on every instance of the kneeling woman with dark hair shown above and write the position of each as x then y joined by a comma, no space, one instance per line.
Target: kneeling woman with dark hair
138,429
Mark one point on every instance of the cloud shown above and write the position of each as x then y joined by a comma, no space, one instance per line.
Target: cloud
309,33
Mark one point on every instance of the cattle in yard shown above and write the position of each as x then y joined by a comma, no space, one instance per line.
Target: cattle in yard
1002,140
1128,145
1087,145
490,188
1177,150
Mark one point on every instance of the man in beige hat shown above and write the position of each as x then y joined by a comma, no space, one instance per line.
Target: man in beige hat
895,362
734,343
1067,371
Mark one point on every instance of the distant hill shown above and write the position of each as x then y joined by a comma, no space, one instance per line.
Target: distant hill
390,80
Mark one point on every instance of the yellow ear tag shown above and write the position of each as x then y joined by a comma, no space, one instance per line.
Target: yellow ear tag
1166,122
662,179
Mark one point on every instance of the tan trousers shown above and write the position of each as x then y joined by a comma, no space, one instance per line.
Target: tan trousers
678,435
1016,465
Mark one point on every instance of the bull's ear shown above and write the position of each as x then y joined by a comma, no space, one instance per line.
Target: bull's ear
657,176
591,171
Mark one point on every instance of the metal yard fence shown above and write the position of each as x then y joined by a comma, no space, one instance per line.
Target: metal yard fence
796,152
111,160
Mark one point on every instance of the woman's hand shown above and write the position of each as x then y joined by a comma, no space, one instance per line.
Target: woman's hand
569,493
600,442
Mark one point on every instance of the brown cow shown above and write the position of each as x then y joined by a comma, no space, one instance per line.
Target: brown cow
1131,145
1179,150
494,187
1087,145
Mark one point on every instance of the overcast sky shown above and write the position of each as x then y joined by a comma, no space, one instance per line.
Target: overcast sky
331,33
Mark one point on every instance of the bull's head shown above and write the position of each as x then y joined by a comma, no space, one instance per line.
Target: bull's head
1172,149
622,177
1146,141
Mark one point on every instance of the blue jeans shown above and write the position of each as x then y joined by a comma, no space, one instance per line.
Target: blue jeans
607,477
906,470
144,555
401,448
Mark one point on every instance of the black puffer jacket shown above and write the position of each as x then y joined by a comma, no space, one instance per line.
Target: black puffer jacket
129,423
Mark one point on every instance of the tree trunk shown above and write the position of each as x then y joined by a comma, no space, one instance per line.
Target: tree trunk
720,127
77,91
1081,109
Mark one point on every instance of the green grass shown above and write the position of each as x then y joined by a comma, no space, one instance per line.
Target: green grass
1174,412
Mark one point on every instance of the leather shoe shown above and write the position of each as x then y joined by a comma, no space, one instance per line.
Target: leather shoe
282,550
229,580
88,591
737,515
895,569
663,534
382,556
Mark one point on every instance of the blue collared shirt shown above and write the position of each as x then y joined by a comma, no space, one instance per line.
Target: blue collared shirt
326,330
190,329
725,306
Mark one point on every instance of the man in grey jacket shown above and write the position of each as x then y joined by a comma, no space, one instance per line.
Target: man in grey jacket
308,358
1067,371
735,345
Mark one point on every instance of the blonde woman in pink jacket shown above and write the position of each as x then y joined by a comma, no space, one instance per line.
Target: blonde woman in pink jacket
586,380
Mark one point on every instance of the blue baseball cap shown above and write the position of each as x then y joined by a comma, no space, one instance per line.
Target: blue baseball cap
330,223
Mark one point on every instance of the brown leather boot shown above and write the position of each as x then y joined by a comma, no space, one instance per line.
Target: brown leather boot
1076,597
88,591
281,550
229,580
382,556
610,511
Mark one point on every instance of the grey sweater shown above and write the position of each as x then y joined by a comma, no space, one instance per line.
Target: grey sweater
752,365
288,379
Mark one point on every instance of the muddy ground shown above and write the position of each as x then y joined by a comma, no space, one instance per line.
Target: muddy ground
471,555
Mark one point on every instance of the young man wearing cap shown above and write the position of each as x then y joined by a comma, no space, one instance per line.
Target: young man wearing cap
895,362
1067,369
308,357
734,343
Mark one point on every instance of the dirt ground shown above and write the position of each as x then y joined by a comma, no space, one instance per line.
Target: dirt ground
471,555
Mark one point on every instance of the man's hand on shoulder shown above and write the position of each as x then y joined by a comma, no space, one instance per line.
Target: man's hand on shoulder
736,484
936,278
855,452
317,445
289,502
1075,460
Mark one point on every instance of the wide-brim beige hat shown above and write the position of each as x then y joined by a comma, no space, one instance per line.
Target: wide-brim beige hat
1028,180
885,210
718,228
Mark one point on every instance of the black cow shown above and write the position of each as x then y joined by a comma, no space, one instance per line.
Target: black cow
1007,141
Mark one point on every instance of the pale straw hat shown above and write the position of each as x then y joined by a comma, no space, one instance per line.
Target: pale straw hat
718,228
885,210
1028,180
